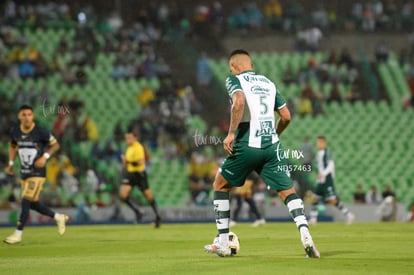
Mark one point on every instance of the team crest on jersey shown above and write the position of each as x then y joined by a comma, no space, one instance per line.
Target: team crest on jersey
266,129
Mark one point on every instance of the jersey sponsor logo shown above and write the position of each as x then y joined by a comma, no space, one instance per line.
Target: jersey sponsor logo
256,89
250,78
25,143
266,129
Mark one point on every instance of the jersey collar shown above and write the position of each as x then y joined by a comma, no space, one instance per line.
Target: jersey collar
247,72
26,131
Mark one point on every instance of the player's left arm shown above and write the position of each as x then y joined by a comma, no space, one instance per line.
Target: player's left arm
237,109
52,148
329,168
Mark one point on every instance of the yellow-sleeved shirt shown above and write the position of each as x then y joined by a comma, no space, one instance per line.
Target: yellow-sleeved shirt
135,152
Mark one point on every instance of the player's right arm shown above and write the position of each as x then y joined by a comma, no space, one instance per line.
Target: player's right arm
237,109
13,149
284,114
235,92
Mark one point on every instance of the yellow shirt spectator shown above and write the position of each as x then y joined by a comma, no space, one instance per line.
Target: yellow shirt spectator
146,96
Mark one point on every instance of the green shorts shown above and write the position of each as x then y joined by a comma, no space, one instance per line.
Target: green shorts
270,165
325,190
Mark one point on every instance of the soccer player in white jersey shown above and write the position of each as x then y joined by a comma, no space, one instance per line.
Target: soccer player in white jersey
325,189
252,144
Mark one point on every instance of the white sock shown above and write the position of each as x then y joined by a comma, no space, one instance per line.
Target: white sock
304,231
297,212
18,232
222,210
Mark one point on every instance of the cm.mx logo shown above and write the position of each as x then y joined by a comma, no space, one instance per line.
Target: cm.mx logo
286,154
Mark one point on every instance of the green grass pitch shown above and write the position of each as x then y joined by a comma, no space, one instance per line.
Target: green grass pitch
275,248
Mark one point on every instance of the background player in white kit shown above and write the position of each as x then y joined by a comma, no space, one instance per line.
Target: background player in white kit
325,188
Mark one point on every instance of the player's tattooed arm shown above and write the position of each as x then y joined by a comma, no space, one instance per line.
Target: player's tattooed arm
237,109
53,148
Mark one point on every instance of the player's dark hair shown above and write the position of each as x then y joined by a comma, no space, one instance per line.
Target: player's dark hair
322,137
131,130
25,107
238,51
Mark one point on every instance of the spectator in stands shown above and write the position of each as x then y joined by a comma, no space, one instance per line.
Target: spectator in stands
404,58
217,18
320,17
81,76
359,195
410,80
111,151
118,132
254,16
238,19
20,97
357,10
332,58
75,104
68,76
26,67
44,94
314,98
162,69
59,125
353,95
288,76
88,129
373,196
381,52
204,74
368,18
273,13
313,38
52,171
197,187
55,65
62,46
118,70
293,11
387,192
334,95
145,96
78,54
305,106
346,58
7,117
407,15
